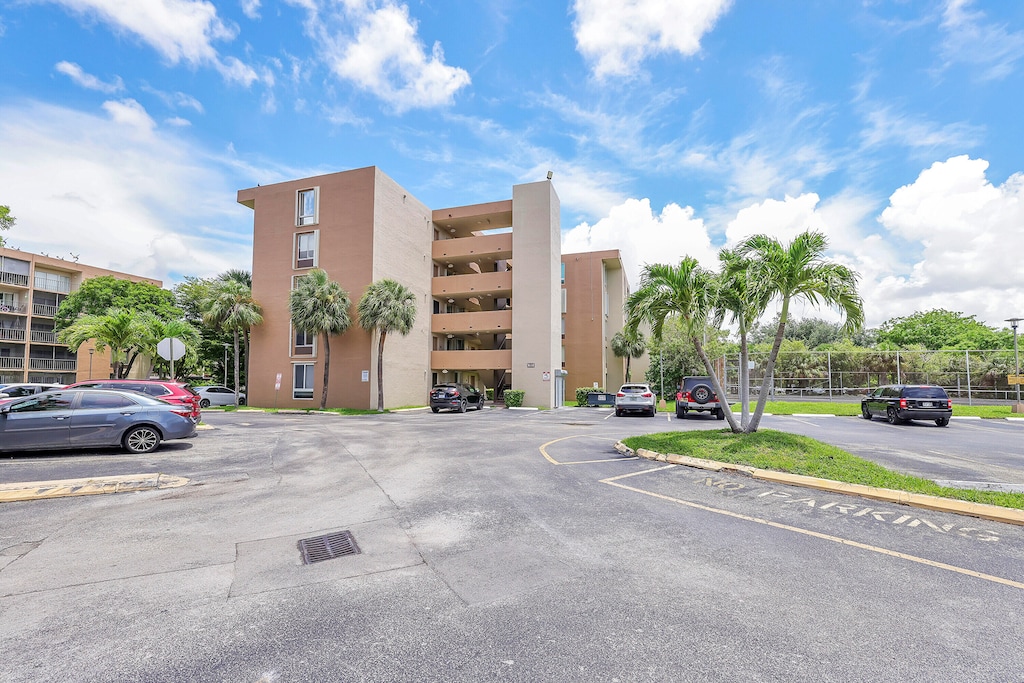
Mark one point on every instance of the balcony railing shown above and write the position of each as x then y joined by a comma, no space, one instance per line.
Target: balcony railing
52,283
13,279
52,365
9,363
485,322
12,334
46,310
43,337
13,308
473,359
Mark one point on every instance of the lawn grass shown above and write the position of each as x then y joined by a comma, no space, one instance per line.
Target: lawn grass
773,450
845,408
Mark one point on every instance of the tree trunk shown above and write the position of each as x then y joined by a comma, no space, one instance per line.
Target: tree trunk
380,371
723,402
744,379
245,366
769,370
627,370
327,370
236,368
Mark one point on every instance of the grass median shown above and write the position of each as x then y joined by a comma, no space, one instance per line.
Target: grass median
772,450
852,408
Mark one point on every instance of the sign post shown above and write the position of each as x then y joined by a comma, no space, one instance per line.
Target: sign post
172,349
277,388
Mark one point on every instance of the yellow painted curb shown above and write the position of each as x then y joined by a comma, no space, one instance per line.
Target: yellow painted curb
62,488
918,500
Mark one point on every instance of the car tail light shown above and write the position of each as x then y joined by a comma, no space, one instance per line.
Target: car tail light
648,395
686,396
949,403
619,395
903,404
183,413
679,396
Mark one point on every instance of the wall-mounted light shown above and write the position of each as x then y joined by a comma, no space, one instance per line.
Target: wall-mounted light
450,336
451,301
550,174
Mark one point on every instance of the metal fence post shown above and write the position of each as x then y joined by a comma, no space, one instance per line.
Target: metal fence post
898,367
967,356
829,355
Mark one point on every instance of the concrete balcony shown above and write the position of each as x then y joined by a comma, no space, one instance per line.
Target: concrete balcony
15,279
495,284
44,310
12,363
44,337
487,248
52,364
485,322
471,360
12,334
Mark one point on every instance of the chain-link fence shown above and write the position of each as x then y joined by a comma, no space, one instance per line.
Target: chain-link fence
966,375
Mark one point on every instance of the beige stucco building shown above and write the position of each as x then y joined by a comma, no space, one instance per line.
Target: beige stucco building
464,264
32,287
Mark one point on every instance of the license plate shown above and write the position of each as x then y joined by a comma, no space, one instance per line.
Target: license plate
926,404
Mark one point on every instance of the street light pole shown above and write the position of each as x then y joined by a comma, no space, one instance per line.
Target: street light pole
225,364
91,351
1016,359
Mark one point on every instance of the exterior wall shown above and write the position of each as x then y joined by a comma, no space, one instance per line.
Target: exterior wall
345,225
536,307
402,238
68,368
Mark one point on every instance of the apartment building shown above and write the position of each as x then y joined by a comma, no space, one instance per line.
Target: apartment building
594,291
485,278
32,287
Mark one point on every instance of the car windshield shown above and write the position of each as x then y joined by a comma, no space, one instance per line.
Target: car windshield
924,392
634,389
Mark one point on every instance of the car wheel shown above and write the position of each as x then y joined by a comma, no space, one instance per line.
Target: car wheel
462,406
434,410
680,414
653,413
864,412
719,413
890,415
701,393
480,404
141,440
241,401
205,403
942,421
618,413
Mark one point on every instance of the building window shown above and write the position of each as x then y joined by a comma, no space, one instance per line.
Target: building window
563,328
306,249
302,382
303,343
563,300
563,273
307,207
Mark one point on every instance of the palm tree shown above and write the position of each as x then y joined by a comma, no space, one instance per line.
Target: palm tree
245,278
736,299
687,292
320,306
386,306
230,307
157,330
628,345
121,329
798,270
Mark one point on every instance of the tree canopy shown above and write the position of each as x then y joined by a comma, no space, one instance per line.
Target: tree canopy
942,329
6,221
97,295
386,306
320,306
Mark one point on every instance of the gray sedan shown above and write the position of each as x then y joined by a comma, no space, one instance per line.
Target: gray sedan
87,418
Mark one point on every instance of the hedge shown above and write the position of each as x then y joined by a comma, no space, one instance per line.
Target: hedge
514,397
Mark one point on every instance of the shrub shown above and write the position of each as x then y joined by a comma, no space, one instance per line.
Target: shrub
514,397
581,394
490,393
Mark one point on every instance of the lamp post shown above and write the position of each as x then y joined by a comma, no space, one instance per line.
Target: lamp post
225,364
91,351
1016,360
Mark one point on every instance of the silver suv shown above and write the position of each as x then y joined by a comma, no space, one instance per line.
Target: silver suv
635,398
698,394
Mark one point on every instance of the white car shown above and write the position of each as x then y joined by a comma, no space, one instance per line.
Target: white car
26,389
218,396
635,398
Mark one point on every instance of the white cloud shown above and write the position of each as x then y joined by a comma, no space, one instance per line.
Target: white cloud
644,238
156,206
251,8
384,55
180,30
76,74
175,99
972,40
884,126
616,35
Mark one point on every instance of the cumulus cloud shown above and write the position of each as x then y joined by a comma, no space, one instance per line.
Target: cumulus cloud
378,49
644,237
158,207
251,8
180,30
615,36
88,81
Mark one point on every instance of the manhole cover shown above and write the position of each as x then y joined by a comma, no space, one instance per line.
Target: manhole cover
327,547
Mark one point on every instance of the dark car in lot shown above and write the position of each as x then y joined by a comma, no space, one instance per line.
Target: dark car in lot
697,394
179,393
899,403
456,396
91,418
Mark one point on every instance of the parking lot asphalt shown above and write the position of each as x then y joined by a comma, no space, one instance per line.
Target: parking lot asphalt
497,545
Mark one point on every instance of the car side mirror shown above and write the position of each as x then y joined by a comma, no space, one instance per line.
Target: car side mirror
4,409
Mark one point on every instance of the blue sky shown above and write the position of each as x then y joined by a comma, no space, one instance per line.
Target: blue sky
672,127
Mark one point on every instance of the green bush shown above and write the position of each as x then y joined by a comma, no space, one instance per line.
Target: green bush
581,394
514,397
490,393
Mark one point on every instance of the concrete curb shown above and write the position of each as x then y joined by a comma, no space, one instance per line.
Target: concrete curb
62,488
918,500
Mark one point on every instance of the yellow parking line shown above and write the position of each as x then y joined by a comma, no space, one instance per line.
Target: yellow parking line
62,488
612,481
544,451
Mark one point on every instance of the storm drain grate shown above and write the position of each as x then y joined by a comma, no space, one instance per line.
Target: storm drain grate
328,547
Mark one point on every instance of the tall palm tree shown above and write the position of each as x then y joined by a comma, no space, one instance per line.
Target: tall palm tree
386,306
244,277
230,307
798,270
736,298
686,291
320,306
121,329
628,345
157,330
